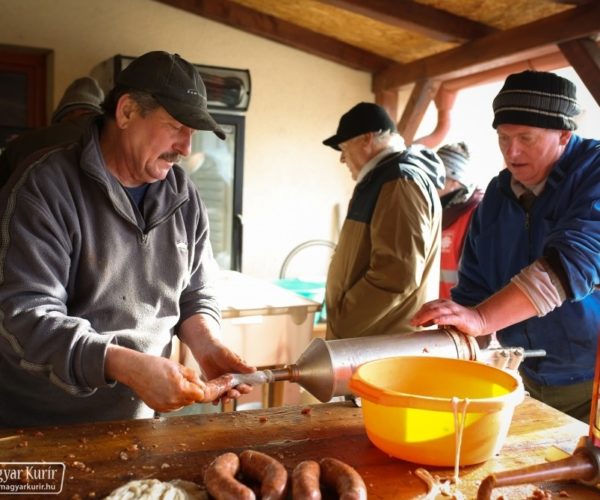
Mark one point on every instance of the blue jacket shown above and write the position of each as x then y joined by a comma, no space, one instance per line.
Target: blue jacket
565,222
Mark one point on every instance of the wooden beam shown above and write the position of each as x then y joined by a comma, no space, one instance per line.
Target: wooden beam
278,30
444,102
389,100
548,62
573,2
423,92
584,56
415,17
496,49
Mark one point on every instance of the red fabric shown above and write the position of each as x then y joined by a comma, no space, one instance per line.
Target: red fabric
453,239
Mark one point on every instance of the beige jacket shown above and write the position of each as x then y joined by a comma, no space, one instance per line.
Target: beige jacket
387,261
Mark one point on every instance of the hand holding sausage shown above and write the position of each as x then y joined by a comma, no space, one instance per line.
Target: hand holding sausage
201,334
215,388
163,384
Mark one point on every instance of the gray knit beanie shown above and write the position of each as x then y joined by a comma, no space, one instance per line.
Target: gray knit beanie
456,161
82,93
537,99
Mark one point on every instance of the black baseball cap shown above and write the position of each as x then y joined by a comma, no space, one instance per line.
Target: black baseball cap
175,84
362,118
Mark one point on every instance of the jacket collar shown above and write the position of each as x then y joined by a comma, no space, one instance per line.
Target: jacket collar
162,197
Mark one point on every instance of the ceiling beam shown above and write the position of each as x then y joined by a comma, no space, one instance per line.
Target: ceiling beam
389,101
418,18
423,92
573,2
499,48
584,56
278,30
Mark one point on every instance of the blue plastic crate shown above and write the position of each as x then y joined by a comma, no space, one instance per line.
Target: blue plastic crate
313,290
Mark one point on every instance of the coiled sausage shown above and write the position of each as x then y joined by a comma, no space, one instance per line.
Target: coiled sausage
343,478
220,481
265,469
305,481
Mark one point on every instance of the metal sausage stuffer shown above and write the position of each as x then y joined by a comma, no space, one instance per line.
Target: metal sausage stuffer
324,369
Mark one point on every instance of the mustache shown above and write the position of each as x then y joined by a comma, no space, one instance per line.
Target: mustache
171,157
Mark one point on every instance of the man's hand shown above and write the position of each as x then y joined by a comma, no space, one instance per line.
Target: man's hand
162,384
445,312
201,334
508,306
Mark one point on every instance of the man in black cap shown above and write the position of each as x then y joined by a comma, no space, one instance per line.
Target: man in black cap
105,255
531,263
387,260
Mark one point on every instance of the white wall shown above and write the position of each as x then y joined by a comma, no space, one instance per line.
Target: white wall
292,183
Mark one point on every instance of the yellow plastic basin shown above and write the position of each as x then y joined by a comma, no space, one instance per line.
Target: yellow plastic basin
409,414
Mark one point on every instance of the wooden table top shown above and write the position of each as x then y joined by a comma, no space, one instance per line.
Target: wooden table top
103,456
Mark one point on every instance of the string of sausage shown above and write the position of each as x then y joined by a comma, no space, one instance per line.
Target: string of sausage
221,483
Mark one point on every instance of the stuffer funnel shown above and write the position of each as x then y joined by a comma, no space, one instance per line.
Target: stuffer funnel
324,369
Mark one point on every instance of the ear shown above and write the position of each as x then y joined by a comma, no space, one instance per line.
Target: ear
565,137
126,108
366,139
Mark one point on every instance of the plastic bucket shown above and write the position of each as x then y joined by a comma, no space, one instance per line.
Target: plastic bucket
409,413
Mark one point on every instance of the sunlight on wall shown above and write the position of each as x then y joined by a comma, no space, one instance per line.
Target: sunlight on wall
472,118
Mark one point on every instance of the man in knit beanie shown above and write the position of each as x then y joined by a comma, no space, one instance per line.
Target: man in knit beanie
457,164
530,267
79,104
459,196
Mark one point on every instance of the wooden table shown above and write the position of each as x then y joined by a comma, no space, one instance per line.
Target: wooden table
101,457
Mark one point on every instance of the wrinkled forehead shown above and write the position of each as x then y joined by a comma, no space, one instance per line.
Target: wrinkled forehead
517,129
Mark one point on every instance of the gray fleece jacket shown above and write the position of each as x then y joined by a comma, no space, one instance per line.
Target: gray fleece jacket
81,268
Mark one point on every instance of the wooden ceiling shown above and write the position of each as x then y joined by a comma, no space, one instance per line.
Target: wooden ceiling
423,43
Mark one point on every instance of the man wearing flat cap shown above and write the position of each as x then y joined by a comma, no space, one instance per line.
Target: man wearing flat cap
387,260
104,256
531,262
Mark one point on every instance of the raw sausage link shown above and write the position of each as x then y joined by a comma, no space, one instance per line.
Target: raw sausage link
220,481
305,481
269,472
346,481
216,387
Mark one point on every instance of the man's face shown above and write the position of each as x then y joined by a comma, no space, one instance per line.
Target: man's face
153,143
354,154
531,152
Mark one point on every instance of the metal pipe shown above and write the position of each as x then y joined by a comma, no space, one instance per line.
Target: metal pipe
325,367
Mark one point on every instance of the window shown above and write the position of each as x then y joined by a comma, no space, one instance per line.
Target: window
22,91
